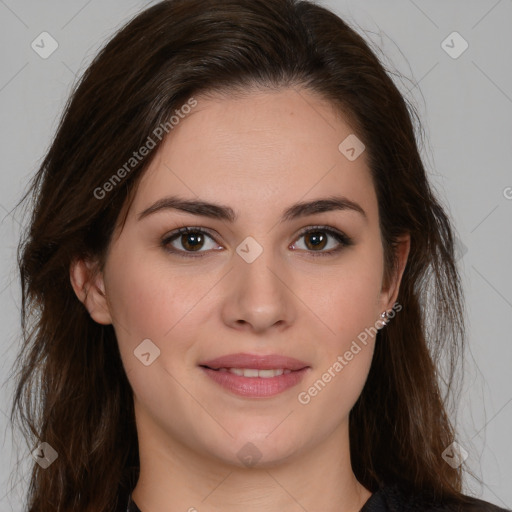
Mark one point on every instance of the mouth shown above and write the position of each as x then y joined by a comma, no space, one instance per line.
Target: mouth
253,372
255,376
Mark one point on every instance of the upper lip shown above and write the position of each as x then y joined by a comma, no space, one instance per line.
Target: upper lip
254,361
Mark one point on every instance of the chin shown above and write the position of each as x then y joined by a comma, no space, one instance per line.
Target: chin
263,449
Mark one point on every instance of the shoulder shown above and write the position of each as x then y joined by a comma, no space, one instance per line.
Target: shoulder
392,498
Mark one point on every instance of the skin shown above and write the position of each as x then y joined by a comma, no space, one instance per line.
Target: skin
257,154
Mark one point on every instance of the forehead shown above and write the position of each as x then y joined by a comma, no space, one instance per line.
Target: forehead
257,152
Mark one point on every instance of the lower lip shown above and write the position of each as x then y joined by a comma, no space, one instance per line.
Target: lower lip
256,387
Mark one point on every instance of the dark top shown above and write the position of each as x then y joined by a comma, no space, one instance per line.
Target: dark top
391,499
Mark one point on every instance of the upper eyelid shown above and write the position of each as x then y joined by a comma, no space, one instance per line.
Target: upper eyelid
212,233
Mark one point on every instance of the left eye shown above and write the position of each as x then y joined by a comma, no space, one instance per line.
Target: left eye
316,238
192,240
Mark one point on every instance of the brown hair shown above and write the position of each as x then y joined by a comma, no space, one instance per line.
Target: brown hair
72,391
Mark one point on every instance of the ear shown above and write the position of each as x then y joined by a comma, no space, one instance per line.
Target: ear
88,284
389,294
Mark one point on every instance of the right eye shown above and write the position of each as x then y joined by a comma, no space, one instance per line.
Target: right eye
191,240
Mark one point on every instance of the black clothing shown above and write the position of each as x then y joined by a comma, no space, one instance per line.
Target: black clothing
391,499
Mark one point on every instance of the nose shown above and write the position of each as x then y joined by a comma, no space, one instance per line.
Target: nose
260,295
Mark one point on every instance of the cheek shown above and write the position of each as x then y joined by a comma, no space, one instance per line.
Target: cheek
149,298
345,353
347,300
151,303
326,399
148,301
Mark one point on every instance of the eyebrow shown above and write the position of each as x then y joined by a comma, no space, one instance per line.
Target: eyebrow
221,212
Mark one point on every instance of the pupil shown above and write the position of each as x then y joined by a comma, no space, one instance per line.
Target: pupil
320,239
196,240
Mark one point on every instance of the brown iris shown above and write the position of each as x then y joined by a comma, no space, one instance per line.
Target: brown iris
196,239
319,240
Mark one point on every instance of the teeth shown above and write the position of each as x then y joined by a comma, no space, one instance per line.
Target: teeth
251,372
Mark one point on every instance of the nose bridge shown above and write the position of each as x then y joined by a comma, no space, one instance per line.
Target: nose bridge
260,296
257,267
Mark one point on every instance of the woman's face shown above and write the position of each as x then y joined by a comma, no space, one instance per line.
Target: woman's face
254,284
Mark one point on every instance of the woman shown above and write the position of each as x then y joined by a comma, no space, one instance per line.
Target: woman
231,258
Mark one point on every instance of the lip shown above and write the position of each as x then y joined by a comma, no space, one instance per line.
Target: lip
258,362
255,387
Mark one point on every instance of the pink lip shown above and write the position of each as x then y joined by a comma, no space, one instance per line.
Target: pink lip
255,387
268,362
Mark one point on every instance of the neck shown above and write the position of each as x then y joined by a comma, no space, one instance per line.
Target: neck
174,477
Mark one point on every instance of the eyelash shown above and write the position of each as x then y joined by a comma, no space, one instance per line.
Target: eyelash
340,237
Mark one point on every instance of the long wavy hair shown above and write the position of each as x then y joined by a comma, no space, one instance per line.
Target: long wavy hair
71,388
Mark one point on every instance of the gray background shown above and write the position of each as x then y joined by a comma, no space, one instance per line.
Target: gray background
465,104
